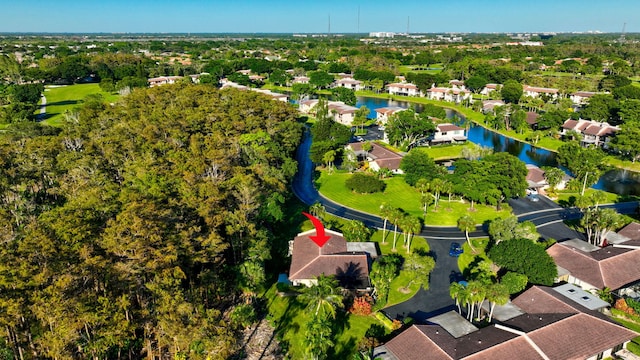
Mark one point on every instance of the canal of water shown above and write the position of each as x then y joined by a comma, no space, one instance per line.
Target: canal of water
622,182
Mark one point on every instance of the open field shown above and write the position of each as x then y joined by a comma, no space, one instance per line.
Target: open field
65,98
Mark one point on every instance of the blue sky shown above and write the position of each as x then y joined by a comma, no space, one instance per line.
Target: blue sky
287,16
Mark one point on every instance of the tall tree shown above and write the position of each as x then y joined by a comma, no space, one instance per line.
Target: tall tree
323,298
466,224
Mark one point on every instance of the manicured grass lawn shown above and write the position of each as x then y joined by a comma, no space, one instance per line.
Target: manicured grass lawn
622,319
289,318
623,164
400,195
468,256
568,197
65,98
446,152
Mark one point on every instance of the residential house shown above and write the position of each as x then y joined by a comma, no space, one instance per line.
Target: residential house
542,323
532,119
616,266
404,89
300,80
593,132
488,106
273,95
340,111
349,263
536,92
348,83
378,157
163,80
382,114
535,178
457,84
447,134
489,88
448,94
581,97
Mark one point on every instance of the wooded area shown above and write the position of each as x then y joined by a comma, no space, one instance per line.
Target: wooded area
143,227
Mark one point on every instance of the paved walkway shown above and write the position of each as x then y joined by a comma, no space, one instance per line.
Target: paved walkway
43,108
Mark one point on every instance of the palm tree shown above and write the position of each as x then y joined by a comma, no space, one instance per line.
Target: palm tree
413,227
497,294
466,224
324,297
395,218
318,338
437,186
477,295
385,212
404,224
456,291
318,210
447,187
598,197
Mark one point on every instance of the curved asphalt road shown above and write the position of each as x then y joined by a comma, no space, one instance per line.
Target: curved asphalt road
545,214
304,189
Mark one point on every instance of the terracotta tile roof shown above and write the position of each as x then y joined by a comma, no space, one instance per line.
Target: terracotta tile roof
570,124
579,336
403,86
535,174
445,90
532,117
308,260
389,110
517,348
540,89
382,156
348,81
448,127
491,86
414,344
560,331
610,267
632,231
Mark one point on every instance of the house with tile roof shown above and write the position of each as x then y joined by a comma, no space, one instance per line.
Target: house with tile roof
378,157
447,134
535,92
490,88
448,94
593,132
404,89
616,266
348,263
582,97
348,83
549,324
383,113
341,112
488,106
163,80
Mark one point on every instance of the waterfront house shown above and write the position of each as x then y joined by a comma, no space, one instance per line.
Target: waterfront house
378,157
404,89
348,83
448,94
593,132
447,134
383,114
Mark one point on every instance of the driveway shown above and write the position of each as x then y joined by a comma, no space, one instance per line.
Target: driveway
436,300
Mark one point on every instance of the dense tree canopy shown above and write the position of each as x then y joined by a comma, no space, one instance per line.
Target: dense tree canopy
135,229
527,258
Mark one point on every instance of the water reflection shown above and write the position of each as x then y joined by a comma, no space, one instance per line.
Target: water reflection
617,181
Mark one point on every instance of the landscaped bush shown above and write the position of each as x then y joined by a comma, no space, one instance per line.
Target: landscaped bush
364,184
361,305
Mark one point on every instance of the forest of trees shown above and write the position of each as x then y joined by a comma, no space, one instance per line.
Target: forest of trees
142,228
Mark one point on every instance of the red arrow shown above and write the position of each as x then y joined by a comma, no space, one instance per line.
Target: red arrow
320,239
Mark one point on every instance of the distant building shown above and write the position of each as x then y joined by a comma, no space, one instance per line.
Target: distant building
404,89
593,132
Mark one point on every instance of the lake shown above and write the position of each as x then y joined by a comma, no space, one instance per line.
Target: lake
621,182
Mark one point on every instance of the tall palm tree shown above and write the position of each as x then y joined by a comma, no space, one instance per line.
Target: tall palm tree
413,227
455,291
466,224
385,212
324,297
497,294
395,218
477,295
318,338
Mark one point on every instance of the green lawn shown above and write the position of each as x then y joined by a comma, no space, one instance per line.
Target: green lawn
446,152
468,256
65,98
289,318
400,195
568,197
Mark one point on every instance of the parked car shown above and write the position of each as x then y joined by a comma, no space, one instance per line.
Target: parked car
455,250
533,197
360,138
